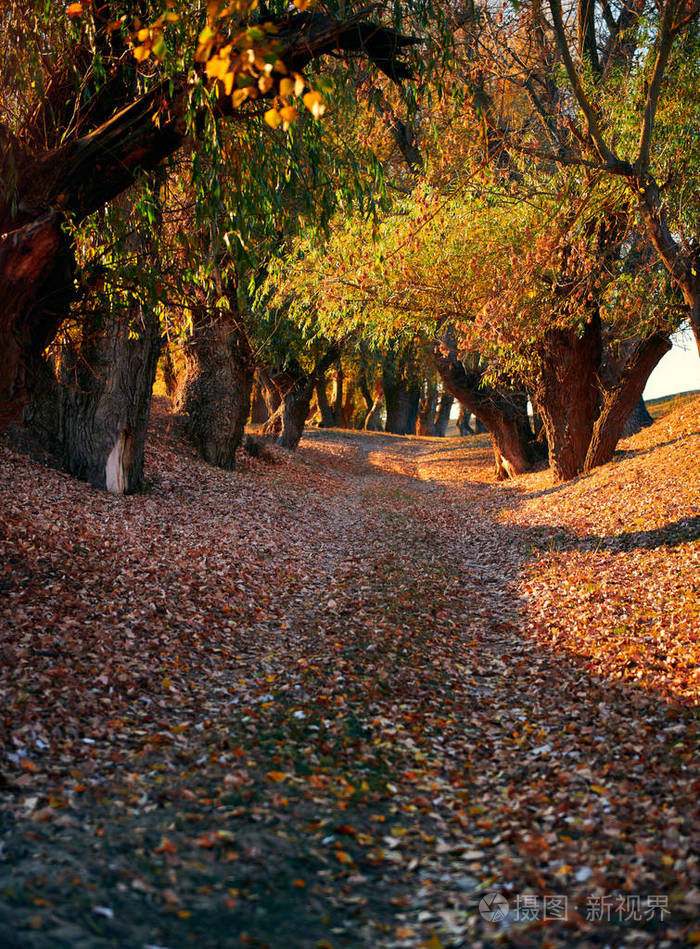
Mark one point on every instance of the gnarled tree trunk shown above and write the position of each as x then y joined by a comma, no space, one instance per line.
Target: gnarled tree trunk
373,421
402,391
567,394
620,402
504,413
287,423
215,392
259,412
324,406
94,415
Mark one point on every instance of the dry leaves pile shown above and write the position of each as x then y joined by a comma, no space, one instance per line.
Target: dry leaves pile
337,699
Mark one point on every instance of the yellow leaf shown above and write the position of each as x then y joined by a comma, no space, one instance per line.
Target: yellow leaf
286,86
228,83
278,776
216,68
265,83
314,103
239,97
598,789
301,4
289,114
299,84
74,9
141,53
143,35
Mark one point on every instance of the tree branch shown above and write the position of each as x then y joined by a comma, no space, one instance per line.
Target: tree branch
604,152
665,42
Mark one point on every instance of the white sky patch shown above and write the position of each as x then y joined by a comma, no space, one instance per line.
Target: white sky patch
678,371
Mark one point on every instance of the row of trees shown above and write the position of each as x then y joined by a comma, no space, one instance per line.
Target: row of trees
517,225
537,249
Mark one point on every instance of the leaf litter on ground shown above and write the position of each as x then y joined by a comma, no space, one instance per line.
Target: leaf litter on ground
336,698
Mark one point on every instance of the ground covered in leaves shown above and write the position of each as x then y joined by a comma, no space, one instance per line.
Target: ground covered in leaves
348,697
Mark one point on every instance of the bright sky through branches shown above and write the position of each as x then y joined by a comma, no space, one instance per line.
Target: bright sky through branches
678,371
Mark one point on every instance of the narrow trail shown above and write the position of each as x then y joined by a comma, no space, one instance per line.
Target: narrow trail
344,732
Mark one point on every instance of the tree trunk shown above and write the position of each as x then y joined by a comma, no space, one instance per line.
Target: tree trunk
402,391
338,388
36,285
259,412
463,426
511,437
215,393
401,408
427,408
442,417
269,390
568,393
621,401
287,423
169,373
373,421
324,406
694,307
94,416
504,413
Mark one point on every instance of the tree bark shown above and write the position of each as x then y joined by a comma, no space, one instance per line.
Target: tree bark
402,391
94,415
427,408
270,391
401,408
287,423
463,425
620,402
258,406
338,391
373,422
215,393
503,413
169,373
36,283
567,395
324,406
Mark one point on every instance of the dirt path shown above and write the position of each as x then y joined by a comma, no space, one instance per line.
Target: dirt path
299,706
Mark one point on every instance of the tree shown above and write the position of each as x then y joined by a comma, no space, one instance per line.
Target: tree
91,398
287,423
82,138
646,68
